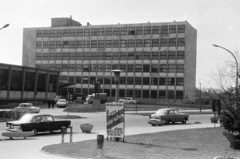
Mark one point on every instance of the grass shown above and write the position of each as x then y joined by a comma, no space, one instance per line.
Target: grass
204,143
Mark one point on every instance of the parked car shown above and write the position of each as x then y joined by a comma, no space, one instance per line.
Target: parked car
27,107
62,103
101,96
57,98
128,100
167,115
37,123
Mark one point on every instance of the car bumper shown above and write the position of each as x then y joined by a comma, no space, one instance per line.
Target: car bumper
156,121
62,105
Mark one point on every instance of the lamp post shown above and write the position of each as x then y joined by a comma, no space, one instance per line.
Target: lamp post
116,75
5,26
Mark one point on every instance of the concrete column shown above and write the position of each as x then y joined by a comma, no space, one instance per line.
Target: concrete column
23,82
9,81
47,83
35,86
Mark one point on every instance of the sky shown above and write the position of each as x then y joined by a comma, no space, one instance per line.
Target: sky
216,22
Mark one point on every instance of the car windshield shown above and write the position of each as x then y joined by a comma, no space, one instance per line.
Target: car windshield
62,100
26,118
160,111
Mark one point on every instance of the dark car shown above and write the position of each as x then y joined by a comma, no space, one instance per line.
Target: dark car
167,115
38,123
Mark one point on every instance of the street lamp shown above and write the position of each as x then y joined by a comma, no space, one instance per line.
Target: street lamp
117,75
235,61
5,26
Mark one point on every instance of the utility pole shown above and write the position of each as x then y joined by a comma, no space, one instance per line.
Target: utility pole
200,98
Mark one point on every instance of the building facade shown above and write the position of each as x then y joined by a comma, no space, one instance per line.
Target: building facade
158,59
21,83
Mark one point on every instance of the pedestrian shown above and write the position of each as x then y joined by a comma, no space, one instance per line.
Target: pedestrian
49,103
53,103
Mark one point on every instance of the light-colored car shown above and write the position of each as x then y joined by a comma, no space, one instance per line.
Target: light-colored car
62,103
57,98
167,115
27,107
128,100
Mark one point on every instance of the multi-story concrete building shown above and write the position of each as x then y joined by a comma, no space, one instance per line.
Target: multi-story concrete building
158,59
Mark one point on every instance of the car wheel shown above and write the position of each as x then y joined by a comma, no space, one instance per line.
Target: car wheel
153,125
184,121
159,125
35,132
167,122
173,122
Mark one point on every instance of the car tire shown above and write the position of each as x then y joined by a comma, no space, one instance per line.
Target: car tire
173,122
167,122
153,125
184,121
35,131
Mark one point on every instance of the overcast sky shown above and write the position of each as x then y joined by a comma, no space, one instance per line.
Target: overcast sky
216,21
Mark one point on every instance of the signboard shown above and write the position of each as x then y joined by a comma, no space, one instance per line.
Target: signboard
115,120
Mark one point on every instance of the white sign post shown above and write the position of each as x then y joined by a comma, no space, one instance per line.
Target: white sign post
115,114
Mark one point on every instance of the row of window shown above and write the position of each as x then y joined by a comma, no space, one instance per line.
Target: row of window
111,43
164,55
154,94
161,81
140,30
162,68
16,83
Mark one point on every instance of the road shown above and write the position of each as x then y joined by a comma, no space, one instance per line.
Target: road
135,124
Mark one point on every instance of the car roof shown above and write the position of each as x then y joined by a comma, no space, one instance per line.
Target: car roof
25,103
38,114
166,109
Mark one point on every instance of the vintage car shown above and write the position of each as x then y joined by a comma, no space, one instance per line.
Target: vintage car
27,107
167,115
128,100
62,103
37,123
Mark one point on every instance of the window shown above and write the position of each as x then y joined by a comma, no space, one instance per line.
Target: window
179,94
86,68
52,33
138,68
123,56
162,81
172,29
93,56
94,32
66,33
171,81
180,42
116,43
86,32
80,32
79,68
65,56
86,56
101,55
147,30
87,44
29,81
41,82
170,94
153,94
131,56
121,93
65,67
131,31
180,55
116,31
122,80
59,44
108,43
162,94
147,42
38,56
59,56
58,67
108,31
163,55
59,33
171,55
123,43
79,44
73,32
39,33
38,45
38,66
155,42
179,81
4,79
155,55
93,68
138,93
139,43
79,56
164,30
72,68
163,42
101,31
138,80
146,80
73,44
124,31
145,93
72,56
52,45
107,80
146,55
131,43
181,28
115,56
65,44
172,42
154,68
93,43
44,66
108,56
154,81
101,68
156,30
146,68
45,56
130,80
51,66
78,79
107,68
163,68
101,44
171,68
139,30
123,67
130,68
180,68
45,33
138,55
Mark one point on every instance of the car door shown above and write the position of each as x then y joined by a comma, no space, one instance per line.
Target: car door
178,116
170,115
41,123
